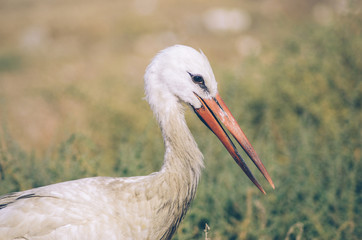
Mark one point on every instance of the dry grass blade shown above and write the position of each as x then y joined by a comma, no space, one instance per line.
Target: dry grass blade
292,229
206,230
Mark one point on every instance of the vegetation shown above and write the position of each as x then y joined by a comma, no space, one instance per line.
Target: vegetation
299,103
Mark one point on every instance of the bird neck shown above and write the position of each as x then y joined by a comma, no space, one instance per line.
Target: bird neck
183,158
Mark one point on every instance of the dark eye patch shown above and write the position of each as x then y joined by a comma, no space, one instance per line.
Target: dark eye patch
198,79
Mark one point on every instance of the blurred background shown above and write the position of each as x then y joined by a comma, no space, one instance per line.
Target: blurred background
71,105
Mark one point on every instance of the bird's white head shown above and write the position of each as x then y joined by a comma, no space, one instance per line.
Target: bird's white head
182,74
179,73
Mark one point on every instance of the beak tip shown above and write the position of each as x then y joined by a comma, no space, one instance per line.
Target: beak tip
260,188
272,184
268,178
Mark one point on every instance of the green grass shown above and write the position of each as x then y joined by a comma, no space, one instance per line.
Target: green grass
300,107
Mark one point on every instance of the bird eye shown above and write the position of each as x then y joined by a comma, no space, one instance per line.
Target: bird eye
198,79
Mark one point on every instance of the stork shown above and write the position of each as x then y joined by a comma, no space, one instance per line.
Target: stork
142,207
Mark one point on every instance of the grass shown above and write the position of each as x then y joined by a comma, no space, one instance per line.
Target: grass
67,114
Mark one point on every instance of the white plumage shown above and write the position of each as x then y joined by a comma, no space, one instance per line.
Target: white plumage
146,207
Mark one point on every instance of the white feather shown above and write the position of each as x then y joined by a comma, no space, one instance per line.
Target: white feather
147,207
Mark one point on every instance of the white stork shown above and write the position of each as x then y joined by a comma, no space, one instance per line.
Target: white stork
144,207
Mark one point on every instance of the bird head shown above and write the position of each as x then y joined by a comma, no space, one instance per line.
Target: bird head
182,74
180,71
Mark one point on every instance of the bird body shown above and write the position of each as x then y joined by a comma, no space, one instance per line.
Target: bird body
111,208
94,208
144,207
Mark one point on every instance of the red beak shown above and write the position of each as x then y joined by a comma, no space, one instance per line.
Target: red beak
213,109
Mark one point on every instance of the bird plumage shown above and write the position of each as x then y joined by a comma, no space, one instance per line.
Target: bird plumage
145,207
